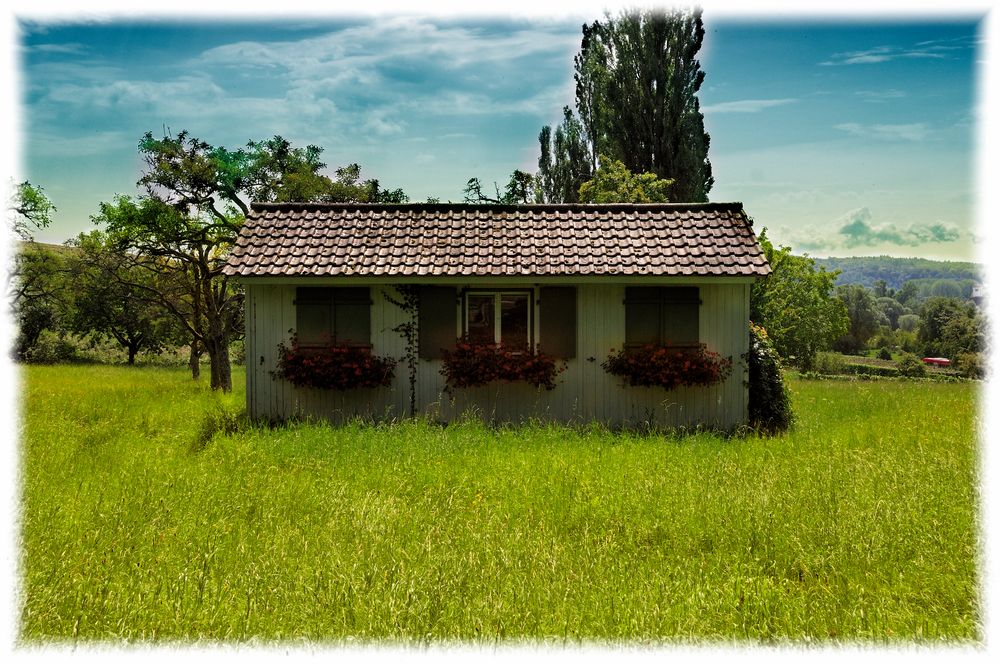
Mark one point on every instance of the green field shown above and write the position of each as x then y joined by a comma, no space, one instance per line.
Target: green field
137,525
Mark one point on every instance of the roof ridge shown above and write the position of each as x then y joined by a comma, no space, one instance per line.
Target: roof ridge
733,206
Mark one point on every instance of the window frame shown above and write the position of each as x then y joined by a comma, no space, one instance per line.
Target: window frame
497,294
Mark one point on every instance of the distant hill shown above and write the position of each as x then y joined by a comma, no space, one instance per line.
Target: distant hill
866,270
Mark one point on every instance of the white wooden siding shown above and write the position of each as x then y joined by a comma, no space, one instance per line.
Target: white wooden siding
584,392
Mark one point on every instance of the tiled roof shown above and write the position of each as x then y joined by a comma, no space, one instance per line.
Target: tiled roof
432,239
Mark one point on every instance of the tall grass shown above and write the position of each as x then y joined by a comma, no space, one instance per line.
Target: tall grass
151,513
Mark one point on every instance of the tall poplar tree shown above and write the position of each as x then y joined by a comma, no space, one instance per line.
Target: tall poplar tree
637,81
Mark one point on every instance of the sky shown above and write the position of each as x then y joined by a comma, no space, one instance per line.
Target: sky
843,136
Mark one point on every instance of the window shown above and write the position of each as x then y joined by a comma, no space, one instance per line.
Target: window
503,317
655,315
339,315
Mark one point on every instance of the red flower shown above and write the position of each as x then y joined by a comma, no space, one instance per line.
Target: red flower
333,367
656,366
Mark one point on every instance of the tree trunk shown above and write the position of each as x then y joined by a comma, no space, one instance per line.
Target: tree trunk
132,350
194,361
218,355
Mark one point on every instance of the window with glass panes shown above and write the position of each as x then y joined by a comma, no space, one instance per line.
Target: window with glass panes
501,317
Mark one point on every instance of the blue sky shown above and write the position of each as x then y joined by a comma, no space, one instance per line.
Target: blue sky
841,137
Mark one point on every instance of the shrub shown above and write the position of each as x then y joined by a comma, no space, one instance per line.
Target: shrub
51,348
667,366
910,366
971,365
884,354
830,363
474,365
333,367
770,406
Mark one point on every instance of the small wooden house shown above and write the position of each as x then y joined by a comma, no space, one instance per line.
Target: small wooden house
578,282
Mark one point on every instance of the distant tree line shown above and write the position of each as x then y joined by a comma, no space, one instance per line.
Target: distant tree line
869,270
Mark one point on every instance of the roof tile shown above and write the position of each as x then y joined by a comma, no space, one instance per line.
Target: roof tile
708,239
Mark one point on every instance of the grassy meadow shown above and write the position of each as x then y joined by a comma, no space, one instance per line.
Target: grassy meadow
150,513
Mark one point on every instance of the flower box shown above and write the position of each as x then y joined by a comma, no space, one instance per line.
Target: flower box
473,365
333,366
666,366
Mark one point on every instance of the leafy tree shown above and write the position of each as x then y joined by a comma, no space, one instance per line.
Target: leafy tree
614,183
36,295
113,297
637,79
519,191
32,285
35,287
182,255
29,209
184,170
881,289
909,322
796,305
348,187
907,294
196,198
949,327
565,162
946,288
864,317
891,309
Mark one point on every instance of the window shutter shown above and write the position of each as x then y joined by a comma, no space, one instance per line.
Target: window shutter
642,316
557,321
313,315
352,313
661,314
680,316
436,320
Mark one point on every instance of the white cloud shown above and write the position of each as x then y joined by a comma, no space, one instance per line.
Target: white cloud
855,229
882,54
880,95
68,48
392,37
913,132
124,93
380,124
746,105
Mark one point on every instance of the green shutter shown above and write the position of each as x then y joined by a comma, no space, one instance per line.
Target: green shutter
313,316
642,315
352,315
436,320
557,321
679,325
661,314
